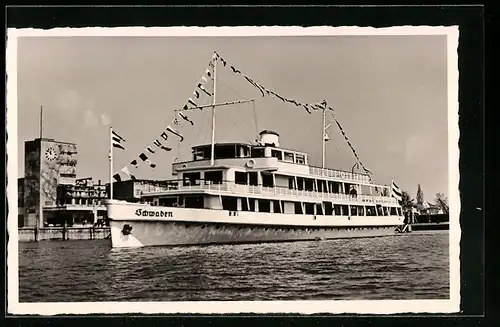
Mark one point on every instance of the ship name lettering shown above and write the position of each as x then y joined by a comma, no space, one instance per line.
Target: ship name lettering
152,213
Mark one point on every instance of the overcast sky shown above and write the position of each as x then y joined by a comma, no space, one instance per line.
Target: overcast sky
389,92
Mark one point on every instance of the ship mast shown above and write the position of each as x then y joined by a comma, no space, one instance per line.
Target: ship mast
212,151
324,135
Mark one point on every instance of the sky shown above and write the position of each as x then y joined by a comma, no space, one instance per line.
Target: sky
389,94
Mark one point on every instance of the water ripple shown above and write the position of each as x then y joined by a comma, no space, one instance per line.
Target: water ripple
413,266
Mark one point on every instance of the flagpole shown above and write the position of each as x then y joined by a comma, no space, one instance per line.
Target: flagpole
212,161
324,138
111,163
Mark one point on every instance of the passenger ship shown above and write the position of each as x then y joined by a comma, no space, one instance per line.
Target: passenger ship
261,192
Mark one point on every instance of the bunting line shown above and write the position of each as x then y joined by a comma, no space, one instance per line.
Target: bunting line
263,90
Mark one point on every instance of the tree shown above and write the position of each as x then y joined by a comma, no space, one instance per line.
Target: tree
406,202
420,195
442,202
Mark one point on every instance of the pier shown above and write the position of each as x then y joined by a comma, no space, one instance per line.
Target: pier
34,234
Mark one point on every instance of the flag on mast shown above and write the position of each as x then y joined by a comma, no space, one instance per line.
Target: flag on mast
396,192
117,140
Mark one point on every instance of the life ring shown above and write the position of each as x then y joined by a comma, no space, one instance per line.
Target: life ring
250,163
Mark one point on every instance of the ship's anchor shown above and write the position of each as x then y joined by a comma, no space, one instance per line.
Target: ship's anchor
127,229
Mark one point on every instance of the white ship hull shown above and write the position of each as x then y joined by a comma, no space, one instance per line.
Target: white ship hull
154,225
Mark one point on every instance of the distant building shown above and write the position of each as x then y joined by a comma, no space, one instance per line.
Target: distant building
49,193
428,209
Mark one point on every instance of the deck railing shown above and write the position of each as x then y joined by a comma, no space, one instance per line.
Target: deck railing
231,187
317,171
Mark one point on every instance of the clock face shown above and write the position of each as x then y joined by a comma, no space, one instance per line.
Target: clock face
50,154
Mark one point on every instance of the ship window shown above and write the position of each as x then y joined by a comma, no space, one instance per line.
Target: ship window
386,211
337,208
319,209
193,202
191,179
309,208
361,210
253,178
308,184
300,183
288,156
334,187
322,186
300,159
229,203
345,210
244,204
328,208
380,210
370,211
298,208
168,202
291,183
354,210
257,153
393,211
264,205
251,202
277,154
277,206
213,177
240,178
267,180
225,152
400,213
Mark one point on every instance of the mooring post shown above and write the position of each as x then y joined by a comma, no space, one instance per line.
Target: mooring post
64,231
36,233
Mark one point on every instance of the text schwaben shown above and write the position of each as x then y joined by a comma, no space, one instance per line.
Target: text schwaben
153,213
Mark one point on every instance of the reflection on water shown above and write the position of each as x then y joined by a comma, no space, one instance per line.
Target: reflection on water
413,266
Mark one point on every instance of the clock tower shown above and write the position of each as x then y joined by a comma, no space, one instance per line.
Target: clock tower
48,163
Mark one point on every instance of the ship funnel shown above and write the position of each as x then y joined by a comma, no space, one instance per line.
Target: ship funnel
269,138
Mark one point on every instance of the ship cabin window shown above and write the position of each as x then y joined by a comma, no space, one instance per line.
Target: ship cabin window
253,178
298,208
309,208
193,201
191,179
400,212
393,211
328,208
319,209
243,150
258,153
267,180
240,178
300,159
354,210
213,177
277,154
370,211
309,184
300,183
345,210
322,186
361,210
289,157
276,206
225,151
229,203
380,210
251,203
264,205
168,202
386,211
291,183
244,204
337,209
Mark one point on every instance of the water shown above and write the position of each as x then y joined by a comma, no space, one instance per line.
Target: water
412,266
